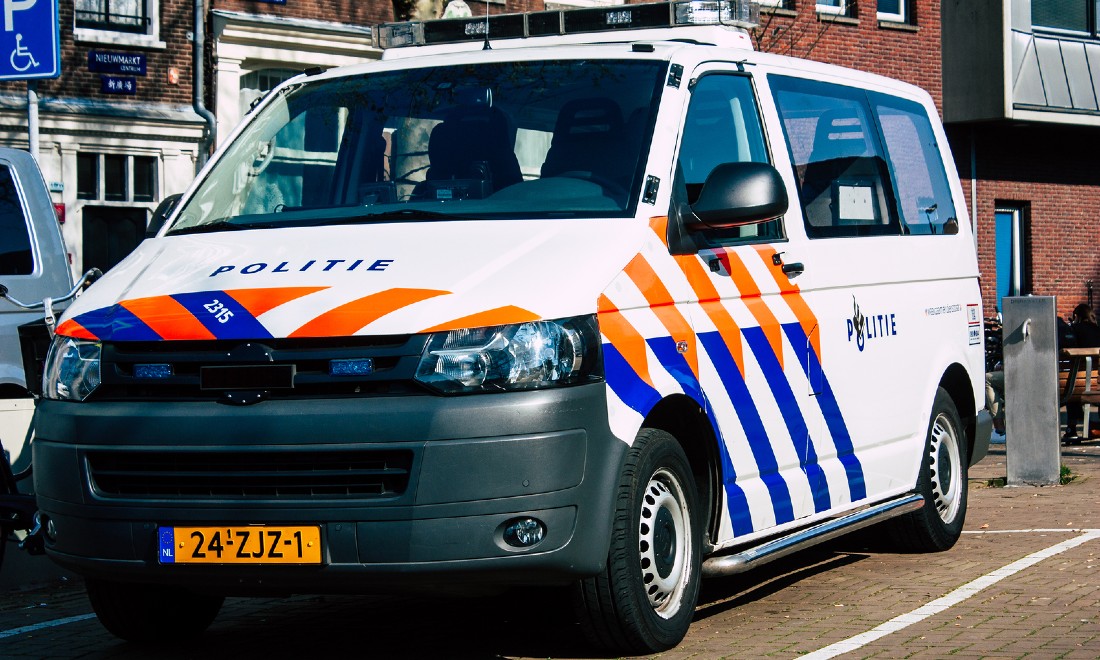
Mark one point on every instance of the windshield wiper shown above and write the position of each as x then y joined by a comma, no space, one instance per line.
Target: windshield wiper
217,225
322,220
397,214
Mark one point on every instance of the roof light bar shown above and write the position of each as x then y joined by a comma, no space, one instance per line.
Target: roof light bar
735,13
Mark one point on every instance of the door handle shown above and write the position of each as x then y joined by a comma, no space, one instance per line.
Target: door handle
793,269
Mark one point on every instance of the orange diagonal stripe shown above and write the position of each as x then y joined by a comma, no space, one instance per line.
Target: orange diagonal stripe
73,329
793,295
750,295
498,316
711,304
167,318
628,341
351,317
259,301
662,304
659,225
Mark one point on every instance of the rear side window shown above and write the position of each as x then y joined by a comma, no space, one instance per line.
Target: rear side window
844,182
923,193
15,240
867,164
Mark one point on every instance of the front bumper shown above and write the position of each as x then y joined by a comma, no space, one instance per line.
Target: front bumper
473,463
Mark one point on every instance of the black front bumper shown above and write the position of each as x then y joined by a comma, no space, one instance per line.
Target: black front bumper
473,463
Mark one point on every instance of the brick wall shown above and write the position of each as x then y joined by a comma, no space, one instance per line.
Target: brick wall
77,81
909,52
1054,174
177,21
352,12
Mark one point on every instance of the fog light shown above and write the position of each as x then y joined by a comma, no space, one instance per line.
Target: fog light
524,532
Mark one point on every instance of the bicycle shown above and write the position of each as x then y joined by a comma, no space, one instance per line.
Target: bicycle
19,511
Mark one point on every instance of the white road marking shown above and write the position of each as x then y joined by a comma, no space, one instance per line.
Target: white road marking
957,596
45,624
852,643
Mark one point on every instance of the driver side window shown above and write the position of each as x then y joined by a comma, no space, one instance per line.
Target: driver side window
723,126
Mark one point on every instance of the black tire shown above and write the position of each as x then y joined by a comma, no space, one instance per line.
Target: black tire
942,482
644,600
151,613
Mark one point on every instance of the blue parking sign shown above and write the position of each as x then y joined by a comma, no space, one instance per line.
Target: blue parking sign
30,45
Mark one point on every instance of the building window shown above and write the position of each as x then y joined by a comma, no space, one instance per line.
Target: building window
893,10
1011,256
1069,15
113,15
116,177
255,84
840,7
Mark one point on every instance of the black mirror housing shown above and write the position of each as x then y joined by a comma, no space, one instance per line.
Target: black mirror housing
739,194
161,214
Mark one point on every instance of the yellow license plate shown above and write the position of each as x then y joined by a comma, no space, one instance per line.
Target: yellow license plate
241,544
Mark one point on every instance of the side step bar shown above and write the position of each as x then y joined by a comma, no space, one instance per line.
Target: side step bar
804,538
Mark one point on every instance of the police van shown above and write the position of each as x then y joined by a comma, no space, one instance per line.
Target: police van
599,298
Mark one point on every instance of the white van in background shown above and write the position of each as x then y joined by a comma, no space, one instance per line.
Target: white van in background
599,298
33,266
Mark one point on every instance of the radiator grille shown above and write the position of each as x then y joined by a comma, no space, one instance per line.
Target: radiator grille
269,474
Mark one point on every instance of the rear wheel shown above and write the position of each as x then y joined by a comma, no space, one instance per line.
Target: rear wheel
943,481
644,600
151,613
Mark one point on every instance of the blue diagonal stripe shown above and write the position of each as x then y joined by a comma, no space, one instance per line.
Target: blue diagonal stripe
749,417
674,361
241,325
626,383
792,415
830,410
116,323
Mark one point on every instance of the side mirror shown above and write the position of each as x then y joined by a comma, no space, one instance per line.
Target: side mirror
164,209
739,194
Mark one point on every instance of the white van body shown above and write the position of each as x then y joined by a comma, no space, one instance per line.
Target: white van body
620,384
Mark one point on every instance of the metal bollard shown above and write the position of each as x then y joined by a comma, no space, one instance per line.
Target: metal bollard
1033,451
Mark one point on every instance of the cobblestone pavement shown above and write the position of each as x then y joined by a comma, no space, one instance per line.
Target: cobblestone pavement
1024,581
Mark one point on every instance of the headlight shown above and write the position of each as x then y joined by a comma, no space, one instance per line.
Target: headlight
523,356
72,369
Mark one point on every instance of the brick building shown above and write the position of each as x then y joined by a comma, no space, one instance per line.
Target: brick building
1021,91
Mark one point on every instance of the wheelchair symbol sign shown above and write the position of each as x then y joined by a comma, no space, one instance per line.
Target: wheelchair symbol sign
29,42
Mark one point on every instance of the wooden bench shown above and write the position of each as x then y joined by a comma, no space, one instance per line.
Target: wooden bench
1079,379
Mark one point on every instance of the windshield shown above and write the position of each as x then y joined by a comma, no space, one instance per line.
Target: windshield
498,140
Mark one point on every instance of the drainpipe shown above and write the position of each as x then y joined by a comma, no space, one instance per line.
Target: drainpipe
198,66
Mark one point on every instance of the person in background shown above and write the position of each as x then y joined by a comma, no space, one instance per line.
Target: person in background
1085,334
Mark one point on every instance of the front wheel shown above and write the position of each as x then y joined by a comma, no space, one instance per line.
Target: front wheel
151,613
644,600
942,482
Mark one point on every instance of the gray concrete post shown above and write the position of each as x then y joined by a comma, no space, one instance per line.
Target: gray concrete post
1033,451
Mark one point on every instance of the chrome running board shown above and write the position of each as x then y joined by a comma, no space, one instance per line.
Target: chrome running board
804,538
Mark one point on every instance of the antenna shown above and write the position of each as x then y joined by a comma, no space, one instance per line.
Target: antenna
486,46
